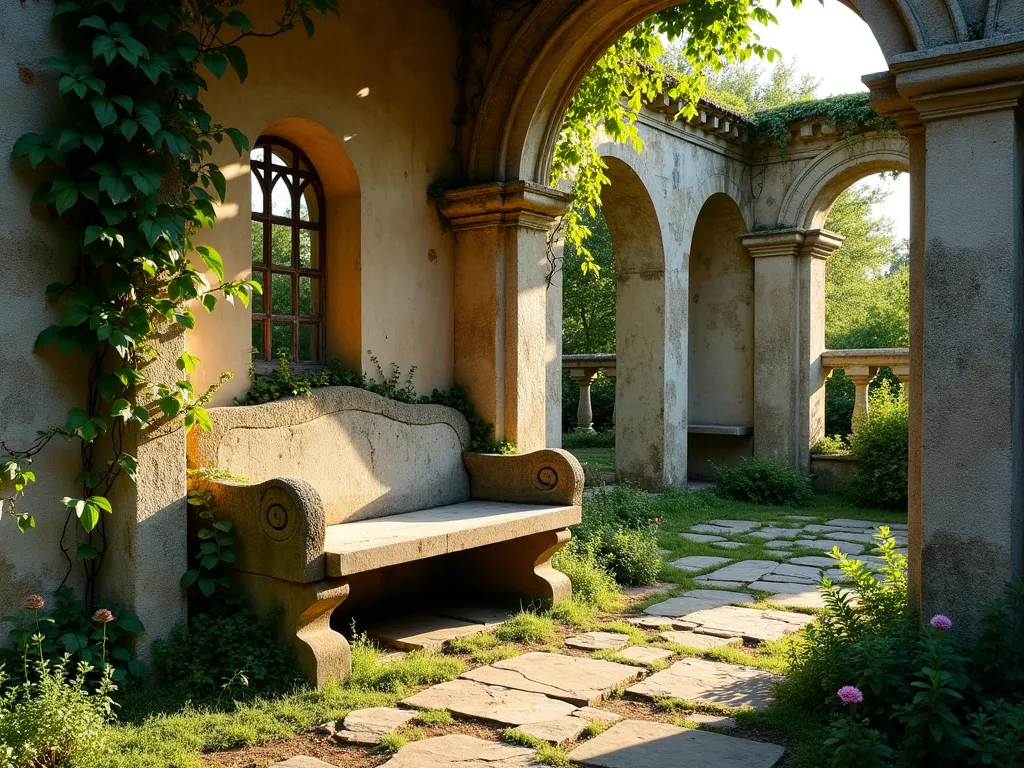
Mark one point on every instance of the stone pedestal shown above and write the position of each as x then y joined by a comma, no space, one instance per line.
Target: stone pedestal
967,353
789,337
501,294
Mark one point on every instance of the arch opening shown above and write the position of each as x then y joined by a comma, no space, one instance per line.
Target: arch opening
720,365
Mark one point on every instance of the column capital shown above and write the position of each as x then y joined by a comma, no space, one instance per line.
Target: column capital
951,81
583,375
814,243
498,204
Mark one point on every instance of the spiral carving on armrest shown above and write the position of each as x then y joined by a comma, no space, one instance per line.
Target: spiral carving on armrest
277,514
546,477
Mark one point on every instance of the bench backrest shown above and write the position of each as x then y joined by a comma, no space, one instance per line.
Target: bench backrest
366,456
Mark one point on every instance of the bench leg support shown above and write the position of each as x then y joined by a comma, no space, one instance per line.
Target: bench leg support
304,623
520,565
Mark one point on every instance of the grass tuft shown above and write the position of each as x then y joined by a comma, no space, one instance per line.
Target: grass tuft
526,627
435,717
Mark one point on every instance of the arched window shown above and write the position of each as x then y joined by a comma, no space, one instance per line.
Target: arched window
288,257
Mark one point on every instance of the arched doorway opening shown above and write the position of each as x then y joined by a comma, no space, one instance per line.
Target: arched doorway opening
720,371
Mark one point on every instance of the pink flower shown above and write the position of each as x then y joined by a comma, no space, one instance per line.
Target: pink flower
34,603
103,616
850,695
941,622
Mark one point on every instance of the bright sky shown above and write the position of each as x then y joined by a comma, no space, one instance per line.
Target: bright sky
832,43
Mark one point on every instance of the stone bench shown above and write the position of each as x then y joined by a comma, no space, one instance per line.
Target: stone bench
351,496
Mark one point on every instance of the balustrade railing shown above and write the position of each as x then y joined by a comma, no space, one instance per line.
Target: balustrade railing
861,366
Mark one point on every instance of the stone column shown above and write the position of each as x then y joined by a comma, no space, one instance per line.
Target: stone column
972,390
902,372
584,377
609,373
554,352
148,532
501,293
861,376
789,337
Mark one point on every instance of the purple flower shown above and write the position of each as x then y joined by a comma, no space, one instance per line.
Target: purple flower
103,616
941,622
850,695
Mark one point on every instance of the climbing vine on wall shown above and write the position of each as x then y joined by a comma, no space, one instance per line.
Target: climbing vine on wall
629,75
132,185
852,112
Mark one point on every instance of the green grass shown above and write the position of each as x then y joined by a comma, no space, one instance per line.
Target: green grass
435,717
526,627
603,458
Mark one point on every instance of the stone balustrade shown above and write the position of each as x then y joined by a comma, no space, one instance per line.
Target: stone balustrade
861,366
583,369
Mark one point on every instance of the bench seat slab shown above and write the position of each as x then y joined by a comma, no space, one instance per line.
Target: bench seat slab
366,545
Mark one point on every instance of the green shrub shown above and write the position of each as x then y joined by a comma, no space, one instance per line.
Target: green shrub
760,480
880,446
830,445
571,440
526,627
53,719
234,650
619,532
592,585
922,699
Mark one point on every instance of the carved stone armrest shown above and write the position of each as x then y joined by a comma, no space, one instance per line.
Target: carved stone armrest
550,476
280,528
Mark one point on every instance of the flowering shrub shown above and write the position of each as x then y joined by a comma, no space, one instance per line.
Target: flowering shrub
52,718
899,695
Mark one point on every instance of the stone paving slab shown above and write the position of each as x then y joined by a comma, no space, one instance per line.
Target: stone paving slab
815,561
557,731
577,680
752,624
703,642
644,744
302,761
778,552
860,538
728,544
718,596
701,538
811,598
696,563
458,751
783,587
715,529
848,547
783,579
845,522
800,571
714,721
597,715
704,581
738,526
598,641
478,613
493,703
675,607
776,533
745,570
643,654
799,517
422,631
659,622
367,726
710,682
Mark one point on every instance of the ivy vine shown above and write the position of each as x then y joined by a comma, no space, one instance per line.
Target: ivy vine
851,111
132,186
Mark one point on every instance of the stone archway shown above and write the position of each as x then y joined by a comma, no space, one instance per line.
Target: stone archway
809,198
720,361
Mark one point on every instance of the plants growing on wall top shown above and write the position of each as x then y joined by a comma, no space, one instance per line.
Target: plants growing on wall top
131,184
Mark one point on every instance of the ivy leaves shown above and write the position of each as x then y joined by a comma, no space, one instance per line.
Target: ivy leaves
131,181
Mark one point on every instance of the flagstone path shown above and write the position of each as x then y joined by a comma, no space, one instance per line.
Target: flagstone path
556,695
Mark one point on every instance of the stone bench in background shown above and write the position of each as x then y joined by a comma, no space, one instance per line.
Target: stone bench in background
356,498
